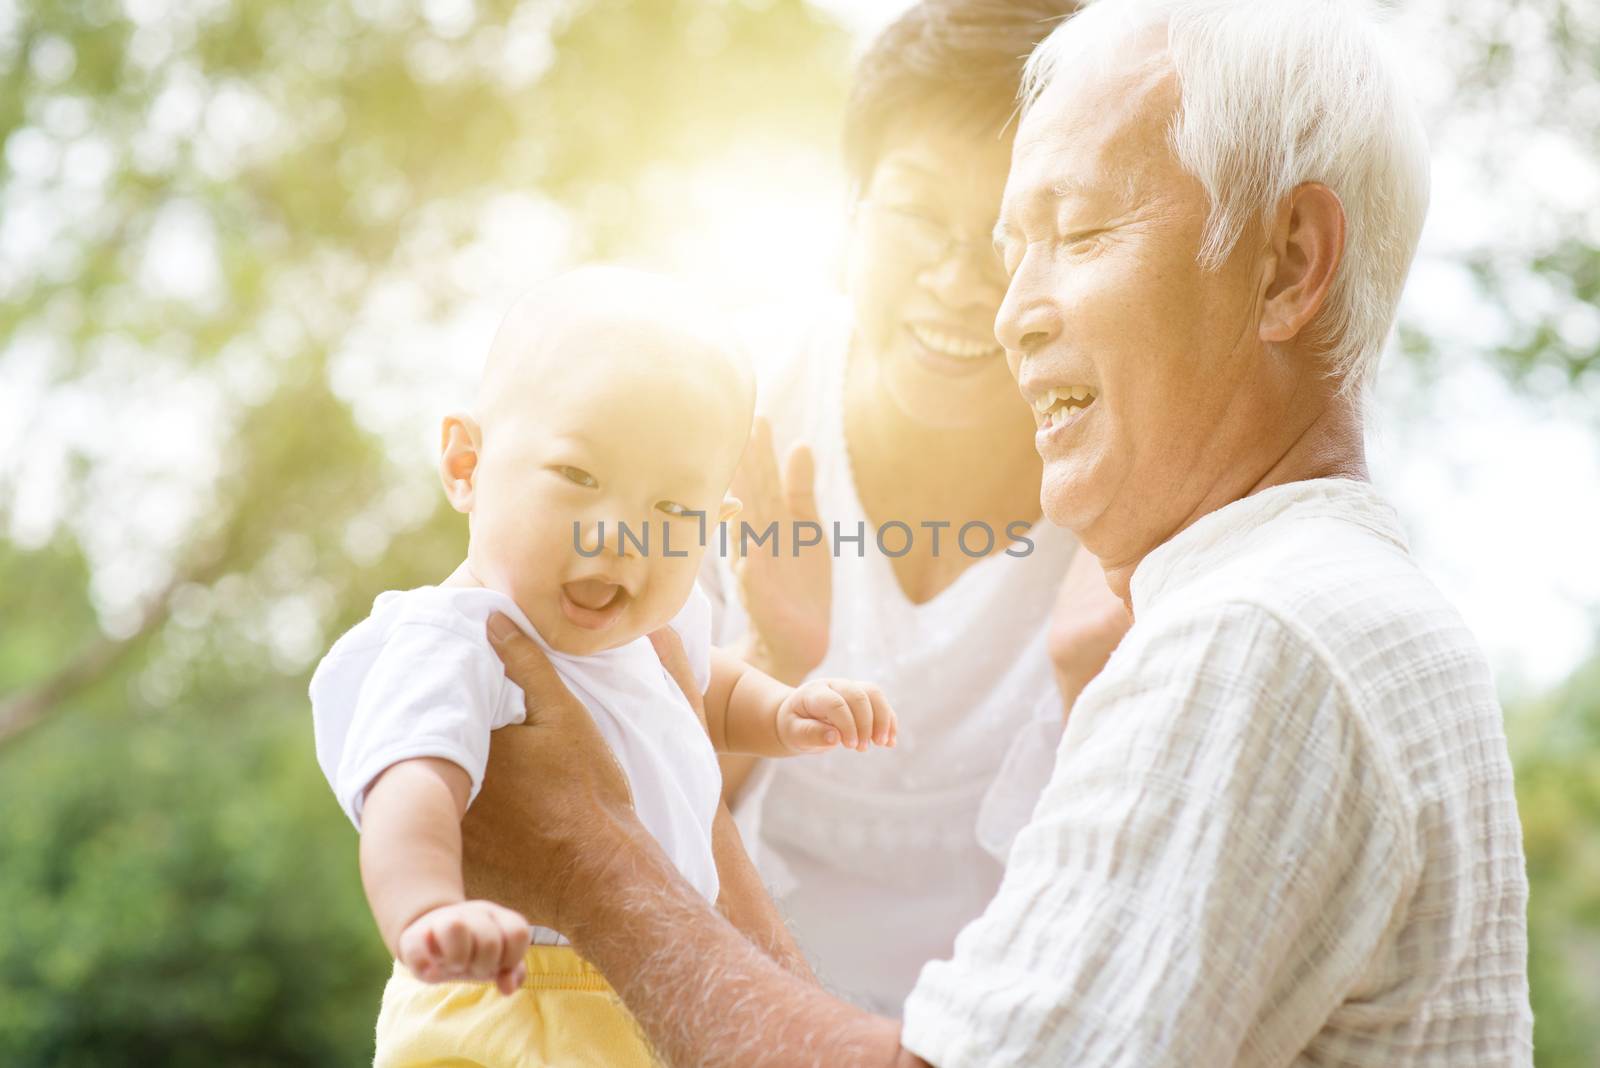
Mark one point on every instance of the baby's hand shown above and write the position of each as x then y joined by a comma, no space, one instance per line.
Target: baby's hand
823,713
474,941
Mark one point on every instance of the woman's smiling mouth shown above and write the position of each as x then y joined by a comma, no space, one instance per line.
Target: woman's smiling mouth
949,351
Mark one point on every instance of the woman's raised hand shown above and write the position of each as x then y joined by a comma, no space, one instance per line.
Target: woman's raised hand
788,596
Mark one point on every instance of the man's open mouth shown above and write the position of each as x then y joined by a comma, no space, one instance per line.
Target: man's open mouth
1058,406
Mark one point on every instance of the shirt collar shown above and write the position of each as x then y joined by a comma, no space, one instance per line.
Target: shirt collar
1194,551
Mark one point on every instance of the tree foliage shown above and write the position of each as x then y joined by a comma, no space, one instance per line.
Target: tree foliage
1556,747
1525,92
178,887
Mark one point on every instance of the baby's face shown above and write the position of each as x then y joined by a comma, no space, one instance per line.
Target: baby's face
640,448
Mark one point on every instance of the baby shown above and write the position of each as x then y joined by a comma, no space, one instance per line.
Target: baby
592,471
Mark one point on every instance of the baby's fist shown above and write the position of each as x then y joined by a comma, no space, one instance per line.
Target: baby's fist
823,713
473,941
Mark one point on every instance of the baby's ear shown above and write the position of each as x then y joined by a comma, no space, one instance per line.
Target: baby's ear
460,440
730,508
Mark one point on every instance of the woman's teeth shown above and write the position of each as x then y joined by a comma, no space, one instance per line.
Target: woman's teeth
1059,405
951,345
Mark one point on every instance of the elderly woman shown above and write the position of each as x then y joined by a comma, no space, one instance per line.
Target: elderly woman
912,418
1281,827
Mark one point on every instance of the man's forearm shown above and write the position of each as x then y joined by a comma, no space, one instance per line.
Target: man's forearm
704,995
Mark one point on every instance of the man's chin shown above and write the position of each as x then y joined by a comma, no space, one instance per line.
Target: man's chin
1065,497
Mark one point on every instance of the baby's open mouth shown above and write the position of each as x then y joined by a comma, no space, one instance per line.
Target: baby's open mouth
593,603
593,594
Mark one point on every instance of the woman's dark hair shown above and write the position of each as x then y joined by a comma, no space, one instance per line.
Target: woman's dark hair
958,61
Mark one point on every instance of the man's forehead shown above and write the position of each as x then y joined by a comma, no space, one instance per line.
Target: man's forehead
1095,134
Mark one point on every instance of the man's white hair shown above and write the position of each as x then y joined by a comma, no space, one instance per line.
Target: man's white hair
1275,93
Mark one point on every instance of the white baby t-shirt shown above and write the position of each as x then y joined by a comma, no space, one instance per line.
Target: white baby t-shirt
418,678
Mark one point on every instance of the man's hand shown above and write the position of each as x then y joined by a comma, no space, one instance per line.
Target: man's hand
554,831
554,807
470,941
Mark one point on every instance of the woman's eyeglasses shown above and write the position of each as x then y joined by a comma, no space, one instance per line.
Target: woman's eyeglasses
929,242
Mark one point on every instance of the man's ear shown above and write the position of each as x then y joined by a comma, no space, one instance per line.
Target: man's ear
730,508
460,442
1308,246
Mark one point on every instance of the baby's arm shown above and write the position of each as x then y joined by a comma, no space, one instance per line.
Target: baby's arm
411,869
749,711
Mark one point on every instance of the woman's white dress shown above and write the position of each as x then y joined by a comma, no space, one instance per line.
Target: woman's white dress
877,859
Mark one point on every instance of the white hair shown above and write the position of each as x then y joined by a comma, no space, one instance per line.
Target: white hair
1275,93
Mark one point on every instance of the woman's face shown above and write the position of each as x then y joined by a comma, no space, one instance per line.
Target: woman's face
925,279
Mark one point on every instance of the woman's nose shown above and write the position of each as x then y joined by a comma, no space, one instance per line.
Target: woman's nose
964,278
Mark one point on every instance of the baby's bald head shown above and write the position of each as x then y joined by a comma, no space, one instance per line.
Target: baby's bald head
598,329
608,399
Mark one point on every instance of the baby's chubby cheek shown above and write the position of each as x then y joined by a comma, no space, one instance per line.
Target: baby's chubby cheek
663,595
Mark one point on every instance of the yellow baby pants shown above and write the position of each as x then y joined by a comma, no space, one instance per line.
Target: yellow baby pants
565,1016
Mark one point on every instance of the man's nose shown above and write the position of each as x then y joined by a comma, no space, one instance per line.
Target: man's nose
1028,318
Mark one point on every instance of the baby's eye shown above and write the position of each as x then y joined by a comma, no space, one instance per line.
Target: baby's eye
578,476
673,508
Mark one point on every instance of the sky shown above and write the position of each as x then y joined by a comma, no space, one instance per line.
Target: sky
1500,493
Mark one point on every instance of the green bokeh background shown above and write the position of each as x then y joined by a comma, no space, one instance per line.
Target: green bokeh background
176,885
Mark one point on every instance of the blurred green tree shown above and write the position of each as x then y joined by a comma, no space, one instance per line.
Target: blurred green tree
1525,95
1555,742
178,887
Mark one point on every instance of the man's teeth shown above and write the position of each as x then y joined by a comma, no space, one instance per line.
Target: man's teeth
1059,405
950,345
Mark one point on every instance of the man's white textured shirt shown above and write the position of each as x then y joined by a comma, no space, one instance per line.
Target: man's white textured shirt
1280,831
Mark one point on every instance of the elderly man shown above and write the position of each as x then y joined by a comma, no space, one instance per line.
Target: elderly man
1281,827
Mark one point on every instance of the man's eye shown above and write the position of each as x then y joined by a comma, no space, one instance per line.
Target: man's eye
1081,241
673,508
577,476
